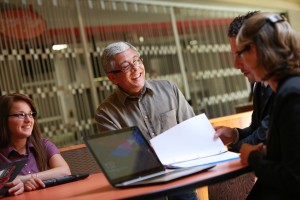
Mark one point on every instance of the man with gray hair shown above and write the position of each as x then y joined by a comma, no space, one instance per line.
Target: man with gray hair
152,105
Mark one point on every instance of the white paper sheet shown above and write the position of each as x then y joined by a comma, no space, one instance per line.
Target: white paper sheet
226,156
191,139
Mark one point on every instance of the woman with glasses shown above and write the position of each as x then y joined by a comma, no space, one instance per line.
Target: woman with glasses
270,49
20,138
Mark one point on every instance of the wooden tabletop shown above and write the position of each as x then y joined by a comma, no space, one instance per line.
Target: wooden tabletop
97,187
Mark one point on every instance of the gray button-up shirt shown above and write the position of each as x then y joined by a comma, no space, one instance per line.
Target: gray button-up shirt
160,107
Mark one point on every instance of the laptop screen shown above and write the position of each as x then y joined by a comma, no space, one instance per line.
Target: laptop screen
123,154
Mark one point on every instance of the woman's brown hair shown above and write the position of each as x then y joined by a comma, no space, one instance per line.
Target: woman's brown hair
277,44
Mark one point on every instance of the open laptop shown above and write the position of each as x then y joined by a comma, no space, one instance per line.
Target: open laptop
127,159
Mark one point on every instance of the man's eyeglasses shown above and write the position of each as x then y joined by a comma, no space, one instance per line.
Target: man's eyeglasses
23,115
128,66
245,48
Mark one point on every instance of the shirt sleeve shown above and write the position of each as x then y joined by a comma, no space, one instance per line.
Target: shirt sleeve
184,109
257,135
50,148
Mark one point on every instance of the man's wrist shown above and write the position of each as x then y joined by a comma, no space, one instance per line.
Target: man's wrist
236,133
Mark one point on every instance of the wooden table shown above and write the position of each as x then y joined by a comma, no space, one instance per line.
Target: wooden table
97,187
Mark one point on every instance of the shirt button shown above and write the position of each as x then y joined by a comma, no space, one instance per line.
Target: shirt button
152,134
146,117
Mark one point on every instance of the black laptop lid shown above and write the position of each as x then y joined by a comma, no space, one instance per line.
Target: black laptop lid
123,154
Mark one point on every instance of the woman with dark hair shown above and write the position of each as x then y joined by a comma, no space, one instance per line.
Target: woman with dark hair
20,138
270,49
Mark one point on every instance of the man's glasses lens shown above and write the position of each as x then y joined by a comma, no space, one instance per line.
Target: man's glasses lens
135,63
126,67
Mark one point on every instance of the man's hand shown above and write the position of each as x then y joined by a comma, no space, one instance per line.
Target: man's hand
226,134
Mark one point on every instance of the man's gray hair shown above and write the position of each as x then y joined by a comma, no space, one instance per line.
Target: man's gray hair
109,53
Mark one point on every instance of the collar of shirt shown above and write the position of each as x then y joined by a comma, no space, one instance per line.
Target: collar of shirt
123,96
265,83
9,149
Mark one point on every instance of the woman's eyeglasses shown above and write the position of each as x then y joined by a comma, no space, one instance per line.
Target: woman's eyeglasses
128,66
23,115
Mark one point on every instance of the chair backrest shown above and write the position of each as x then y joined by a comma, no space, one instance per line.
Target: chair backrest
80,160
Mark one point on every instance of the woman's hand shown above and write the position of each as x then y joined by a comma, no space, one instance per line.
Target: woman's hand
16,187
33,184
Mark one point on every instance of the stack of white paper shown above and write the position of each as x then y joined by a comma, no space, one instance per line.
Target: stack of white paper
191,143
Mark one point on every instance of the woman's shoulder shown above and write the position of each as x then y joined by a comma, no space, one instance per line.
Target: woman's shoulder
48,144
289,85
45,140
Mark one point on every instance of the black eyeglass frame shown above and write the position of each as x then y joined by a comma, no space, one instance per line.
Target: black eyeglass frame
127,69
23,115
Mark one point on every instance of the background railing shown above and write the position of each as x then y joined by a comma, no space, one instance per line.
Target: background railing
183,43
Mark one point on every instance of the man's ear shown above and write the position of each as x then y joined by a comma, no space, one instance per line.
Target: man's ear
112,78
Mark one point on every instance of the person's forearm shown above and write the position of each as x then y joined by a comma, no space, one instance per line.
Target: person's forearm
48,174
54,173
